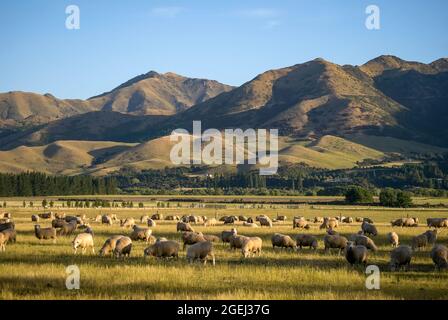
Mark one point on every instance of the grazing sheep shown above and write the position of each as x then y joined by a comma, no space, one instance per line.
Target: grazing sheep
318,220
157,216
48,215
223,218
144,219
432,236
236,241
226,235
439,255
210,222
420,241
335,242
437,222
329,223
83,241
10,235
300,223
201,251
211,238
184,227
151,223
281,218
106,219
347,220
242,218
45,233
140,233
163,249
123,247
230,220
306,240
68,228
34,218
393,239
397,223
7,225
356,254
251,246
265,221
251,225
399,257
362,240
332,232
2,242
190,238
250,220
369,229
283,241
359,219
368,220
127,223
58,223
109,245
172,218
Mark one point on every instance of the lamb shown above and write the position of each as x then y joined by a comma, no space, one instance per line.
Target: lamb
226,235
201,251
300,223
399,257
106,219
335,242
236,241
251,225
420,241
283,241
109,245
190,238
45,233
151,223
439,255
144,219
369,229
157,216
184,227
265,221
163,249
140,233
211,238
10,235
362,240
437,222
127,223
68,228
123,247
306,240
393,239
329,223
251,246
83,241
356,254
210,222
34,218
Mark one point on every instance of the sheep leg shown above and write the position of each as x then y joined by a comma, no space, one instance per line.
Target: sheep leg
93,250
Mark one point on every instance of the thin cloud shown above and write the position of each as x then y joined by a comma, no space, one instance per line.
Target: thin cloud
167,12
259,13
271,24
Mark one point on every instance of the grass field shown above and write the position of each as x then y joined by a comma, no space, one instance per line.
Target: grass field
33,270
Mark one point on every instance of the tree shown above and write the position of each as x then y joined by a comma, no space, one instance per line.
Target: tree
358,195
51,204
404,199
388,197
140,205
44,203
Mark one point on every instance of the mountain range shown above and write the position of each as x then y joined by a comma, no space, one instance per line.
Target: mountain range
328,115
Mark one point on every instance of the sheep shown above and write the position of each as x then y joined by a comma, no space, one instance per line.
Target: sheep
7,215
172,218
127,223
399,257
106,219
347,220
151,223
211,238
359,219
68,228
201,251
163,249
210,222
2,242
432,236
329,223
265,221
7,225
356,254
109,245
318,220
368,220
242,218
3,221
437,222
250,220
140,233
34,218
397,223
393,239
335,242
123,247
332,232
281,218
283,241
236,241
300,223
83,241
362,240
48,215
223,218
10,235
230,220
251,246
420,241
157,216
226,235
439,255
369,229
144,219
306,240
190,238
184,227
45,233
58,223
251,225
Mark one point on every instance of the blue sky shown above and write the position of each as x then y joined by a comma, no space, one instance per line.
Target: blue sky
229,41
